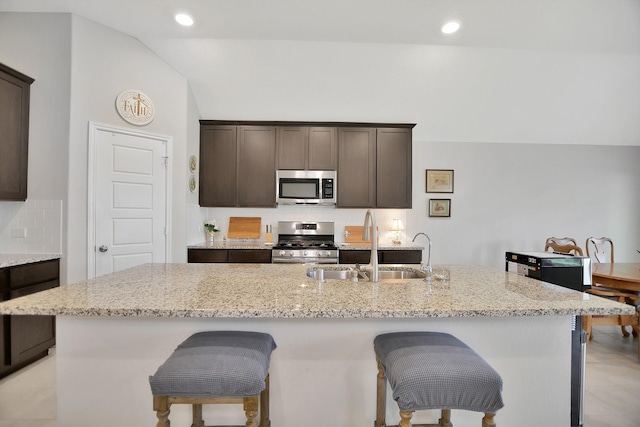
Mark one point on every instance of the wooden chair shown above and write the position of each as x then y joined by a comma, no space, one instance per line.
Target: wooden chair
600,250
565,245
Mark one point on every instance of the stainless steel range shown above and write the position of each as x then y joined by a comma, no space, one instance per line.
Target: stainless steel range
305,242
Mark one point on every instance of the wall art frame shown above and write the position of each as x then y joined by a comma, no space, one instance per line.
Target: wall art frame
439,180
440,208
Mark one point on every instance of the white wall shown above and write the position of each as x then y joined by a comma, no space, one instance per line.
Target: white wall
39,45
80,67
542,143
106,62
452,93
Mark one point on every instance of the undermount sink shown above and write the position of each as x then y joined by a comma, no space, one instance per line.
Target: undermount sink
384,274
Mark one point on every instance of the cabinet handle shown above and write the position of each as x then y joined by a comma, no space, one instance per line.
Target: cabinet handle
103,248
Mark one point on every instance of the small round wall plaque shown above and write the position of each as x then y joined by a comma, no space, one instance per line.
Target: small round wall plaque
135,107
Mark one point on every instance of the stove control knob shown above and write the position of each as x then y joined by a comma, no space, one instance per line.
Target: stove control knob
306,253
281,253
328,253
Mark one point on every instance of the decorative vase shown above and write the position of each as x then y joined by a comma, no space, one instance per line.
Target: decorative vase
210,235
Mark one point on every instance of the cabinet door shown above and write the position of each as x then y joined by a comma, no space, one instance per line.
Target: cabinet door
207,255
400,257
31,335
356,167
14,122
354,257
292,147
323,148
250,256
256,166
393,168
217,166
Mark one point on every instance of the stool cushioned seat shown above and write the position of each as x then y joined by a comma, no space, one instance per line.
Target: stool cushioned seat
216,363
432,370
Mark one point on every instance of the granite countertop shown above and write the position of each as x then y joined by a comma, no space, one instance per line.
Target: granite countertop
10,260
284,291
219,244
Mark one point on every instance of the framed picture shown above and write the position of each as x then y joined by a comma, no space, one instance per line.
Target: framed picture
440,207
439,180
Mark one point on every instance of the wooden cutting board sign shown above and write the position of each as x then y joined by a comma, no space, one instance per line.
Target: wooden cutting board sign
244,227
354,235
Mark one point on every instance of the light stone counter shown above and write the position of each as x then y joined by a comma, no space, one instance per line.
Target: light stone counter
114,331
220,244
11,260
284,291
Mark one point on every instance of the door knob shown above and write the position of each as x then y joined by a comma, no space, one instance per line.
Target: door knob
103,248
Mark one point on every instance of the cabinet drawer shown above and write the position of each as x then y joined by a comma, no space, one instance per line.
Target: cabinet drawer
401,257
207,255
250,256
30,274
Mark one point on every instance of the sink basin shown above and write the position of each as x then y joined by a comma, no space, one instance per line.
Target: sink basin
399,274
383,274
330,274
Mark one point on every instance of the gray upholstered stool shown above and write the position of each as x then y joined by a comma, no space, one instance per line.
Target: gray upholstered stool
216,367
432,370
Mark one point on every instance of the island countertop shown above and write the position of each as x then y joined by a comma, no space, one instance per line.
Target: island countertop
284,291
11,260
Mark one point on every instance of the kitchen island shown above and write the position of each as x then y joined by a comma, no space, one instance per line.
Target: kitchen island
115,330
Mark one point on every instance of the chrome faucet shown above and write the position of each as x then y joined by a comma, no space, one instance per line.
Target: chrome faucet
370,218
427,268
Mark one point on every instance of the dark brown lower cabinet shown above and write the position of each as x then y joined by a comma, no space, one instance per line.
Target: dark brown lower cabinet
25,339
408,256
260,256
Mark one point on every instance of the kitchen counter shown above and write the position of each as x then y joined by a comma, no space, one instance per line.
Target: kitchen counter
114,331
284,291
10,260
220,244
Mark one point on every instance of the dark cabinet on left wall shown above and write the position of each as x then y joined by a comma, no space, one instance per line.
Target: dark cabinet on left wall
15,90
25,339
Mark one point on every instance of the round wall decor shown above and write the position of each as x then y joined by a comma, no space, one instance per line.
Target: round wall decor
135,107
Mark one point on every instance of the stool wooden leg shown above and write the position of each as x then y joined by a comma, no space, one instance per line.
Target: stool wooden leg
445,418
487,420
264,404
197,415
251,410
161,406
381,400
405,418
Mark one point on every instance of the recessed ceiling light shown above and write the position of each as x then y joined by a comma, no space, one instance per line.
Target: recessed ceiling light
184,19
450,27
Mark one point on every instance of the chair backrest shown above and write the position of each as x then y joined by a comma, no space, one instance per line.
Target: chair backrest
565,245
600,249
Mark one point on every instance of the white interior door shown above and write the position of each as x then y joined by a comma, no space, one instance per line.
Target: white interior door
130,215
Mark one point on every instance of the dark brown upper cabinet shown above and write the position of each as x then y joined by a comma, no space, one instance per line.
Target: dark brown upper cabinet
15,90
218,153
393,168
238,160
307,148
356,167
256,185
237,166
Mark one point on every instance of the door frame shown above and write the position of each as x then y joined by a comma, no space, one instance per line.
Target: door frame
95,127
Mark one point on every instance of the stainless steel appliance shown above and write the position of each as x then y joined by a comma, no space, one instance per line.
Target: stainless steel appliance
306,187
572,272
305,242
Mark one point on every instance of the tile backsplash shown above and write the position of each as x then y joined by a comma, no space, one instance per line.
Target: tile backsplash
31,227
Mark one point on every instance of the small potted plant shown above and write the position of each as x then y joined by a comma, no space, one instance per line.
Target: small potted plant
210,229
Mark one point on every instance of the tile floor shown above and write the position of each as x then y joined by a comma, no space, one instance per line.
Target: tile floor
27,398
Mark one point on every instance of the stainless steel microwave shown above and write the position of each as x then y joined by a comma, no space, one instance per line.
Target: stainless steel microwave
301,187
